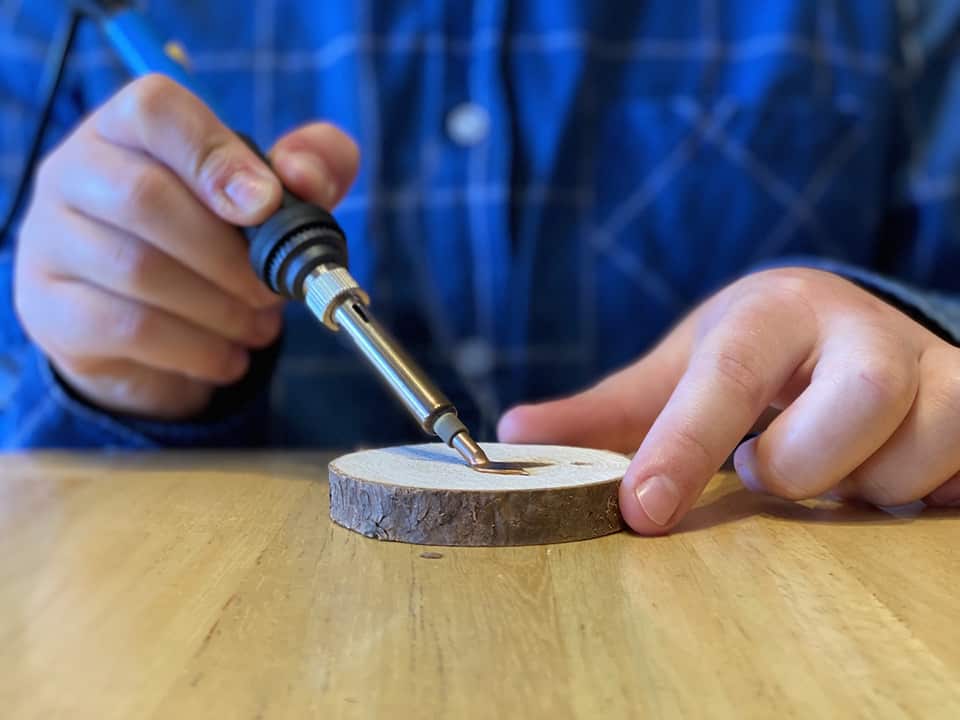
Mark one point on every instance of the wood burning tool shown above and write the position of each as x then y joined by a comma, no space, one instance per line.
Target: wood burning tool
300,252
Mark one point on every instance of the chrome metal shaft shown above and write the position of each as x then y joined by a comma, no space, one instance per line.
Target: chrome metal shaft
418,394
337,301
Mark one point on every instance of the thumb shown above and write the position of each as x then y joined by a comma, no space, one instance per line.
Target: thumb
318,162
165,121
614,414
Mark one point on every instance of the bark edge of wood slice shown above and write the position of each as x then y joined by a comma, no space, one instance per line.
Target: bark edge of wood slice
426,495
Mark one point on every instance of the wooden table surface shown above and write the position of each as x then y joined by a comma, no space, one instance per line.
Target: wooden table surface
214,586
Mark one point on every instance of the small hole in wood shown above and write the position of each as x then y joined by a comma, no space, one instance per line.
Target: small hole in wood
431,555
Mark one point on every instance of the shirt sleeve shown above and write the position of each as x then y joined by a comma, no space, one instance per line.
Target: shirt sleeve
917,268
37,409
920,253
44,413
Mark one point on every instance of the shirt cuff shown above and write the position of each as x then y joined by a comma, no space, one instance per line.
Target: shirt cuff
45,413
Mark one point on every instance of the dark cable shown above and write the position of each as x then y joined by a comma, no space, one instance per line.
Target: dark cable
52,78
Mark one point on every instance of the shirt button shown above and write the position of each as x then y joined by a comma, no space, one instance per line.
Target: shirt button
474,358
468,124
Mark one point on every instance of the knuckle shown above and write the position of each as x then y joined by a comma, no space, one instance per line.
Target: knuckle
78,323
783,292
787,291
795,279
129,324
787,281
146,188
134,262
885,378
739,367
148,96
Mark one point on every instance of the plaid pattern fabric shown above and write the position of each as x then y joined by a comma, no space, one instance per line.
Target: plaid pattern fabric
546,185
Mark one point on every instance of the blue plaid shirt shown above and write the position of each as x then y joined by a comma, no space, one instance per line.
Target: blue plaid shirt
546,185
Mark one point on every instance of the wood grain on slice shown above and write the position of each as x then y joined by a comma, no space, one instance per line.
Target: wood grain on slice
425,494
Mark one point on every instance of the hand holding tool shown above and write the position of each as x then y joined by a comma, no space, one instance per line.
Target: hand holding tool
300,252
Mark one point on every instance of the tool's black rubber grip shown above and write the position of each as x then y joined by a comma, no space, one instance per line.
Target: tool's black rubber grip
297,238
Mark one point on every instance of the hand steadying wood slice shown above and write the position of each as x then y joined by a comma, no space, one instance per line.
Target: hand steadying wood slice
425,494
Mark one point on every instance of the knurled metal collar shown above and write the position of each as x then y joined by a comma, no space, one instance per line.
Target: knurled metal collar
327,289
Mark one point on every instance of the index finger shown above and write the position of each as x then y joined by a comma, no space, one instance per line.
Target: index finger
165,120
734,373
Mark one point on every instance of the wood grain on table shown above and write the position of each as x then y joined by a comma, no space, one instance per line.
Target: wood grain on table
214,586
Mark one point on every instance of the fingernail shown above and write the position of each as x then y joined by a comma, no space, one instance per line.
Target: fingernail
249,192
311,171
659,498
745,463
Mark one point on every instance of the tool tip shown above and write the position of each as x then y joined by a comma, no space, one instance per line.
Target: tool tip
477,459
469,450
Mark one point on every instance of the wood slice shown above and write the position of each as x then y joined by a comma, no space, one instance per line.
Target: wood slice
425,494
